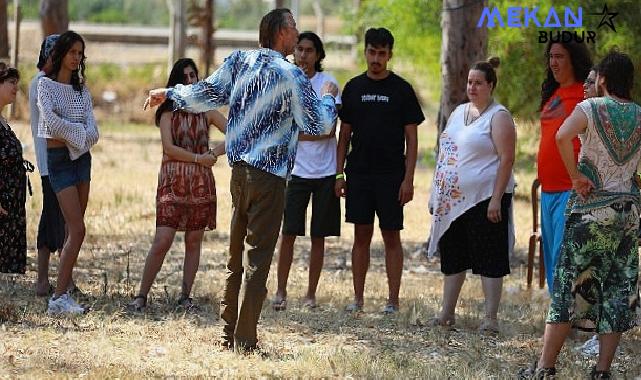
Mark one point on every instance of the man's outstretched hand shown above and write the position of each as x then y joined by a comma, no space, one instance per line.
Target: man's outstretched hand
156,97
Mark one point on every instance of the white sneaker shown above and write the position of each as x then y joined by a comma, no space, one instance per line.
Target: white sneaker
590,347
64,304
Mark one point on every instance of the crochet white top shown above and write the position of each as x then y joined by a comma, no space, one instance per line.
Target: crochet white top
67,114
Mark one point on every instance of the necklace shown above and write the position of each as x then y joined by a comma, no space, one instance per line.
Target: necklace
468,119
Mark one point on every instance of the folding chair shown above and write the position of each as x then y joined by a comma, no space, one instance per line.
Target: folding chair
535,238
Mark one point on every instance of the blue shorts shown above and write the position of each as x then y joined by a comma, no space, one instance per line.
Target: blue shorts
63,172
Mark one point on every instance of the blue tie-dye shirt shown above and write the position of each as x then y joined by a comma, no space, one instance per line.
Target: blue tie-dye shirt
270,102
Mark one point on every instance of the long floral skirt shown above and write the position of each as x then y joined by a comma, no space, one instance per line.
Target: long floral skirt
595,280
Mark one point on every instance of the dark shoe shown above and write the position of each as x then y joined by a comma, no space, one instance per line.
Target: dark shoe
279,303
246,349
251,350
187,303
310,303
489,326
533,373
227,344
446,323
76,292
354,307
390,309
594,374
138,304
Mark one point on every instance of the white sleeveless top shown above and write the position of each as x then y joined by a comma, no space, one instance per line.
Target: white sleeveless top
465,171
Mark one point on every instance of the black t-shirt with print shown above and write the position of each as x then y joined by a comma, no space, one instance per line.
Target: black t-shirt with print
378,111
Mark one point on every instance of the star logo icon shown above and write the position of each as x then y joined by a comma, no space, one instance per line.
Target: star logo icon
606,18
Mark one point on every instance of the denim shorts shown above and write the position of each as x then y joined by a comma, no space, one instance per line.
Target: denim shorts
63,172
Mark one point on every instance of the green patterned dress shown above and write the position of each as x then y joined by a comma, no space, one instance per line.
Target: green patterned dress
595,280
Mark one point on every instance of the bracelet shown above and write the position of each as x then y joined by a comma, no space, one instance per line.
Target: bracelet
195,158
340,176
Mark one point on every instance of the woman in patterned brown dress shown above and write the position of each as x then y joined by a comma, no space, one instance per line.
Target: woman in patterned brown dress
13,186
186,195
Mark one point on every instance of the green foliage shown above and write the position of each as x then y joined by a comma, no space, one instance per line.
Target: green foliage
235,14
415,25
147,12
416,28
113,16
29,8
241,14
328,6
522,57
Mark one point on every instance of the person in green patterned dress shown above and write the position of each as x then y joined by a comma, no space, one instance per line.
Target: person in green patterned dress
595,280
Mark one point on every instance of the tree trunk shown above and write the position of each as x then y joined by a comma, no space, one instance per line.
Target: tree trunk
177,31
207,51
320,19
279,4
4,30
359,30
463,44
54,16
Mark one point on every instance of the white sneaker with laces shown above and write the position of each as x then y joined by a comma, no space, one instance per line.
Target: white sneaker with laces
64,304
590,347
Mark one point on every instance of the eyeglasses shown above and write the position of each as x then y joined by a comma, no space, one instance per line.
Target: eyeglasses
589,82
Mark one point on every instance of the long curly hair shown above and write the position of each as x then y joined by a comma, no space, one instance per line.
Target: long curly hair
581,64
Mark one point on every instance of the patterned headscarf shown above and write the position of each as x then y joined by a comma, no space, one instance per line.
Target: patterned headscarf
46,49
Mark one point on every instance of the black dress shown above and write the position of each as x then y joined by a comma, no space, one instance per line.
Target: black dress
13,193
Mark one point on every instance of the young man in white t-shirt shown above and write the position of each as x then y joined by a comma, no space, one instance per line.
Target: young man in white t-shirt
313,175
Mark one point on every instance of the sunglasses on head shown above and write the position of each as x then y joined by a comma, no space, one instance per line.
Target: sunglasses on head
7,72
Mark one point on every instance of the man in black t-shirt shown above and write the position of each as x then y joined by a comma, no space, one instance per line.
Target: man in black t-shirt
379,118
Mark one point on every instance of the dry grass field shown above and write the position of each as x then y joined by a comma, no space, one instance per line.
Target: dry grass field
321,343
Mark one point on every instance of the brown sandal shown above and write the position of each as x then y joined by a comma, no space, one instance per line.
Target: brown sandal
489,326
135,307
446,323
279,303
187,303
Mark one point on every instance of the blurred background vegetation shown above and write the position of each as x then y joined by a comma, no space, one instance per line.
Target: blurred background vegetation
417,30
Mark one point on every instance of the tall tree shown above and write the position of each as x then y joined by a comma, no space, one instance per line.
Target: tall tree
54,16
462,44
4,30
203,16
177,30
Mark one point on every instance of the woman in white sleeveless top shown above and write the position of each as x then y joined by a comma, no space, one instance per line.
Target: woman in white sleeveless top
472,196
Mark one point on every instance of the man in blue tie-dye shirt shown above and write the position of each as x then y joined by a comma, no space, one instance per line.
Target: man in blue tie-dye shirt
270,102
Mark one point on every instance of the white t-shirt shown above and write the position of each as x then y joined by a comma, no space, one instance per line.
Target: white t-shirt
317,159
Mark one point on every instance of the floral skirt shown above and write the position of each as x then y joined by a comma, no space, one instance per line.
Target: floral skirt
595,280
186,197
